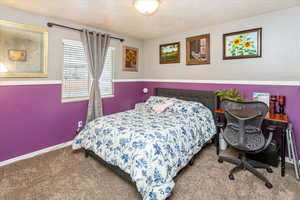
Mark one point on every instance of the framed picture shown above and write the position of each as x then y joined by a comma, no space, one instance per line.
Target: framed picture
17,55
198,50
23,50
242,44
169,53
130,59
263,97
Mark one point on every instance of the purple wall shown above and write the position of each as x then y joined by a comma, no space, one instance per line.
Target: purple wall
292,94
33,117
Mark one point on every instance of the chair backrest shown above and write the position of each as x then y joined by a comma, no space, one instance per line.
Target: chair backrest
244,117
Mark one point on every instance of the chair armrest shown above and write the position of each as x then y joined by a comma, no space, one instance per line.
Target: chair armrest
271,129
220,124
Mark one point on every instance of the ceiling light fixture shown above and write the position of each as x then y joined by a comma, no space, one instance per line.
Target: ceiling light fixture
146,7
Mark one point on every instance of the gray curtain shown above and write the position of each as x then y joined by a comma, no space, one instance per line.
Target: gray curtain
95,47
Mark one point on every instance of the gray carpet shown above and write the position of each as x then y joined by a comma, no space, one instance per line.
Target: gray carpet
63,174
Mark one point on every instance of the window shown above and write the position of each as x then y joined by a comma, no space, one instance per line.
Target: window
76,78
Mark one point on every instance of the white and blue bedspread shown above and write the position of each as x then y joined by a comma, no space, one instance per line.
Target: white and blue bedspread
150,147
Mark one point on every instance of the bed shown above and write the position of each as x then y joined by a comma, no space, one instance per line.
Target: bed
150,149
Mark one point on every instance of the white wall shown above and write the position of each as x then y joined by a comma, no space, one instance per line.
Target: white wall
56,35
280,52
279,62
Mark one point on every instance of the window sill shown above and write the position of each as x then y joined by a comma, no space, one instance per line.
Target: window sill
68,100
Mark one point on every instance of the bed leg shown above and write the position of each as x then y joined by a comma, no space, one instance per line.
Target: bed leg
191,162
86,154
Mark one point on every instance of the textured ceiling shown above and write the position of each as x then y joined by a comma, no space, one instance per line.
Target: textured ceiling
173,16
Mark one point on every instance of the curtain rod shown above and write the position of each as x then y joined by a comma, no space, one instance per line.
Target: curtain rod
49,24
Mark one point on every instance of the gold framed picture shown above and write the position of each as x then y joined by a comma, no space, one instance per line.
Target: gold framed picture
17,55
169,53
198,50
130,59
242,44
23,50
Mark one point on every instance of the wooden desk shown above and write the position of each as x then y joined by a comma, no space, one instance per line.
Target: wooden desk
278,120
273,117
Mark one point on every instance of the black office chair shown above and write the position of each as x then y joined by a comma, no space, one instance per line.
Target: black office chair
243,132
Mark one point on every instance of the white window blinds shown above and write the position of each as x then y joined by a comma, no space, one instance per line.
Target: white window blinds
76,79
106,85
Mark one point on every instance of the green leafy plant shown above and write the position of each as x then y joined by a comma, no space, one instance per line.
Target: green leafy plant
231,94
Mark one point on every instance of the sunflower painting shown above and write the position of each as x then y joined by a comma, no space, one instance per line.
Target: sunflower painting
243,44
130,59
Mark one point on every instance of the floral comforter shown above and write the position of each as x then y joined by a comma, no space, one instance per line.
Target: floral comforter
150,147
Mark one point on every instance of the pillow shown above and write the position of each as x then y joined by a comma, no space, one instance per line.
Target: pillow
178,106
156,99
159,108
139,106
186,107
153,100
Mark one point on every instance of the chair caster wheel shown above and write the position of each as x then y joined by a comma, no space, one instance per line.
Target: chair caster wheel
269,185
220,160
269,170
231,177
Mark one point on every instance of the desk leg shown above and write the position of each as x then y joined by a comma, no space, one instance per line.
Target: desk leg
283,151
217,141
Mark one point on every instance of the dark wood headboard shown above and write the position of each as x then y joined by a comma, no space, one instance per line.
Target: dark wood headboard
207,98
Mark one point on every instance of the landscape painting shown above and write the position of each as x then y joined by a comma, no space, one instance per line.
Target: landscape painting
198,50
169,53
242,44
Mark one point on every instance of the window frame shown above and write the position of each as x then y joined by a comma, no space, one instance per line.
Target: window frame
79,99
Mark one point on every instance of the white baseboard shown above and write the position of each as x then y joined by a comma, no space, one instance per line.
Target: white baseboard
35,153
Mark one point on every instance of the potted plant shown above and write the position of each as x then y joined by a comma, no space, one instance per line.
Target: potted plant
231,94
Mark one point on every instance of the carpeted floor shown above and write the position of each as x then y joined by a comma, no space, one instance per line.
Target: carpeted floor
66,175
